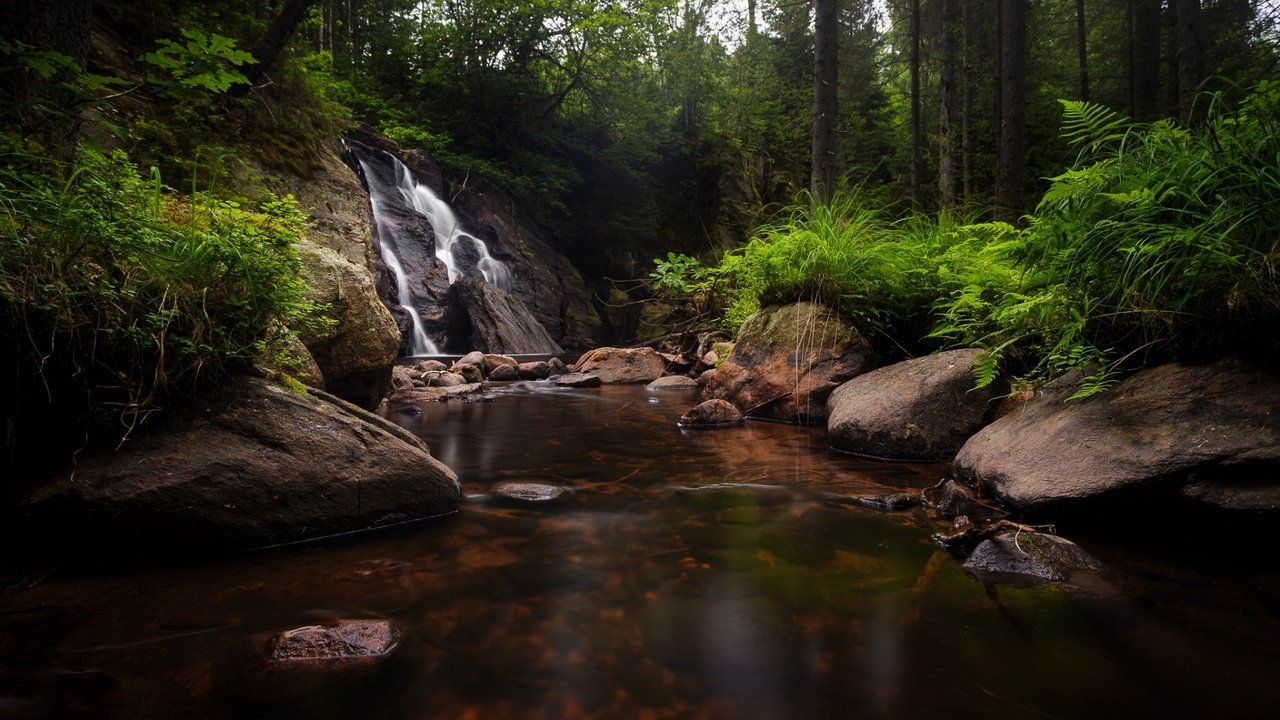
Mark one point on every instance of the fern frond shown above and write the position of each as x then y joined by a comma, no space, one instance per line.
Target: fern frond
1092,126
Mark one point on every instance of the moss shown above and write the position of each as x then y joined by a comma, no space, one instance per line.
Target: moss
293,384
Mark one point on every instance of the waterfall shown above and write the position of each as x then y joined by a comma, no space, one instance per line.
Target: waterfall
400,205
422,344
452,242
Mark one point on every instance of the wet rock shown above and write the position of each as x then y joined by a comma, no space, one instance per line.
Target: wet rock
475,357
427,366
469,373
1210,432
537,370
951,499
484,316
712,414
402,378
786,362
346,641
529,492
923,409
557,366
433,394
248,465
357,352
1028,558
579,380
443,378
673,382
493,361
891,503
622,365
310,668
505,373
725,495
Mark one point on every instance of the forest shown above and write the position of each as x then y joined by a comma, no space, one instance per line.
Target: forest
1061,183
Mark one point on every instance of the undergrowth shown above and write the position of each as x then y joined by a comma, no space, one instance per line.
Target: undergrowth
1159,243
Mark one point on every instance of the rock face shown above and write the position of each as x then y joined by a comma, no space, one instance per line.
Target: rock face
672,382
1210,432
490,319
622,365
249,465
922,409
355,354
787,360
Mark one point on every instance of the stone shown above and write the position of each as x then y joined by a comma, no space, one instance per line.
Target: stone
622,365
427,366
443,379
482,315
527,493
786,362
537,370
923,409
475,357
672,382
344,641
1210,433
579,380
469,373
355,354
493,361
247,465
433,394
557,366
504,373
1024,558
891,503
304,663
951,499
712,414
401,378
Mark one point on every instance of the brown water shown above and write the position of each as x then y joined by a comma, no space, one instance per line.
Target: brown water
658,590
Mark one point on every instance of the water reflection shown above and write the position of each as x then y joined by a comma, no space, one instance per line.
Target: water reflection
690,574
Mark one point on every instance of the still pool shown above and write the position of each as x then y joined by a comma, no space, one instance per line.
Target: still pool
689,574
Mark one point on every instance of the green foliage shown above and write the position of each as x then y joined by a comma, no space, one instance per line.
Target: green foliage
202,66
112,286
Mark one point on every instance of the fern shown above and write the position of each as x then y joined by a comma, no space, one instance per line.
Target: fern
1094,127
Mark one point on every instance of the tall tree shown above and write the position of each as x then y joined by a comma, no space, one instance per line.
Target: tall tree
917,125
825,53
966,109
1082,49
1011,144
1190,57
946,106
1144,58
272,42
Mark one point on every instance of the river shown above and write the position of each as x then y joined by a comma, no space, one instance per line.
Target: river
690,574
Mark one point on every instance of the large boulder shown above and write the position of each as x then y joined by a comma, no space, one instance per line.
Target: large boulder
1212,433
922,409
356,353
787,361
248,465
622,365
483,316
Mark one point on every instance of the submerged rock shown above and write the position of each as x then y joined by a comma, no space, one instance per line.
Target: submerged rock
579,380
673,382
786,362
712,414
1028,558
248,465
1211,433
529,492
951,499
622,365
923,409
889,503
433,394
343,642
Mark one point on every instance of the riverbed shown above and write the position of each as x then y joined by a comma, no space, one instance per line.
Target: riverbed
689,574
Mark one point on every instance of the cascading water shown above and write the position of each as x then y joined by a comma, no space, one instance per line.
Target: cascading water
400,205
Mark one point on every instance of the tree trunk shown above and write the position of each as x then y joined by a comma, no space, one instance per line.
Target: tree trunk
45,107
1190,59
946,108
272,42
966,111
1082,49
1012,141
917,128
826,39
1144,65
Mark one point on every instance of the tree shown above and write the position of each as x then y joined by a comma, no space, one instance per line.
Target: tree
272,42
1082,49
1144,58
1190,57
1012,135
825,105
946,107
917,127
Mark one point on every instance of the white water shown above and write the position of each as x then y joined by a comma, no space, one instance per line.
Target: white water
422,344
448,232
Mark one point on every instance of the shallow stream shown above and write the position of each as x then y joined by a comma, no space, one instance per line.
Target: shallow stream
690,574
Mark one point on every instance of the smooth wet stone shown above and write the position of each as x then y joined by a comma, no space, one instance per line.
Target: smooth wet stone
579,380
504,373
622,365
311,667
892,502
1027,559
712,414
475,357
443,379
733,494
433,394
469,372
673,382
427,366
529,492
343,642
537,370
